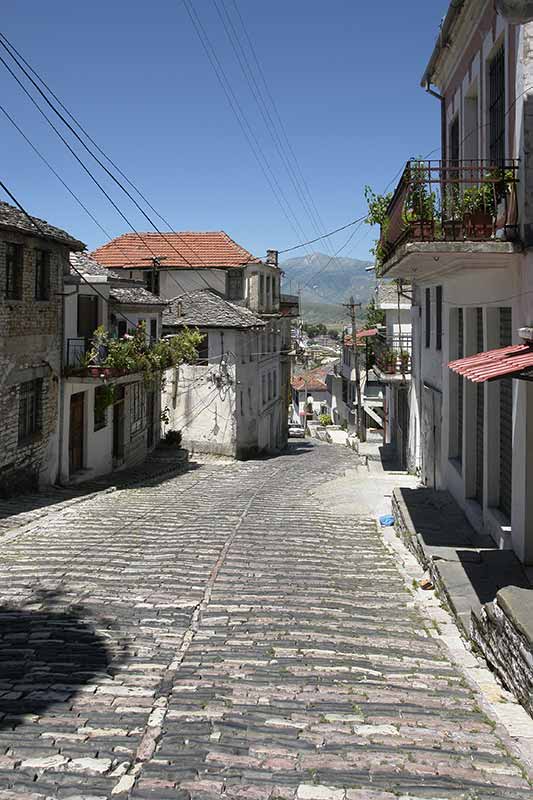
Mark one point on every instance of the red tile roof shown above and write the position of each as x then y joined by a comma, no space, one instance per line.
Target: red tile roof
493,364
178,249
361,335
313,381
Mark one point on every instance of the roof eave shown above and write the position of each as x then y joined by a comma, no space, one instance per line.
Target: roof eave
450,19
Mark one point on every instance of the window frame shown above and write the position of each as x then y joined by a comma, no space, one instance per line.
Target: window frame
42,274
137,408
13,290
235,284
428,318
29,416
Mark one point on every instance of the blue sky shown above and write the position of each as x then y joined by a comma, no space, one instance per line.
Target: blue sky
345,76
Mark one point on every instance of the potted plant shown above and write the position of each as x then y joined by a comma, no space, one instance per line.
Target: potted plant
421,206
479,209
390,360
404,360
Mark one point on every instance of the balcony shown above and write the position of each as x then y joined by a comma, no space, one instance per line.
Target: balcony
441,211
77,350
393,356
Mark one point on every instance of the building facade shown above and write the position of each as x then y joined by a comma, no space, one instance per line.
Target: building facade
460,231
108,420
34,259
182,266
231,402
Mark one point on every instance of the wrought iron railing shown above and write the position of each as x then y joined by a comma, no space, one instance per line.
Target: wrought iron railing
452,201
393,353
77,349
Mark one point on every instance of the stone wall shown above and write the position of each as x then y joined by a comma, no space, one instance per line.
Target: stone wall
30,349
503,631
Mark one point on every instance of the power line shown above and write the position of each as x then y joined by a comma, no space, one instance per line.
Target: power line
257,94
325,236
241,118
276,112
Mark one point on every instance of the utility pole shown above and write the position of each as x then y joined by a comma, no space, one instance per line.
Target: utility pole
361,427
156,264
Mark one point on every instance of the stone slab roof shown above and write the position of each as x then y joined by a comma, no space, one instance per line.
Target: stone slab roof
387,295
136,295
88,266
186,250
11,218
205,308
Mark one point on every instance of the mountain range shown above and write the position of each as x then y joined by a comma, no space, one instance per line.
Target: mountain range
326,279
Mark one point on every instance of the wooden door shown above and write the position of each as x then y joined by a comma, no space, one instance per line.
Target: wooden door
76,431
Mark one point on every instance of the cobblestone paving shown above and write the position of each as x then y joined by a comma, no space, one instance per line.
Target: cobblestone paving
222,635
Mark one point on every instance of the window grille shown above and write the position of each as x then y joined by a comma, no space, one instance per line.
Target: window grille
42,275
136,408
428,317
497,107
14,268
30,409
438,318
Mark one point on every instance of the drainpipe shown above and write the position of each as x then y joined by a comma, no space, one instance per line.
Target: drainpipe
443,131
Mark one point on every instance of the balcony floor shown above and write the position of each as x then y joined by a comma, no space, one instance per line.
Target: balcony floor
425,259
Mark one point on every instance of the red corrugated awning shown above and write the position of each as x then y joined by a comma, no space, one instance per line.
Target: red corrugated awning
368,332
493,364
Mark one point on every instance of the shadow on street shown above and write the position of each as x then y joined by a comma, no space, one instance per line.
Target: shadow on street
46,654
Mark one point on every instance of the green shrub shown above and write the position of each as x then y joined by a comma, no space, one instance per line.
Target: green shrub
325,419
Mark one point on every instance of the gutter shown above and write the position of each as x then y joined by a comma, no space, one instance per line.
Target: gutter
443,39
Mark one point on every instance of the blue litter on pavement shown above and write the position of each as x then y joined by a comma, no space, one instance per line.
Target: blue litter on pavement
386,520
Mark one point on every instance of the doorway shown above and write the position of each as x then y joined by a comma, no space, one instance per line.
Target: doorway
118,425
76,431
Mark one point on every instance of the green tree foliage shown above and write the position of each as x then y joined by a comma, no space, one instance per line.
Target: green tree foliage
374,316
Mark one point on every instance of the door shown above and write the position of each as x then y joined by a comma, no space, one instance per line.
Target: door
76,430
431,437
118,425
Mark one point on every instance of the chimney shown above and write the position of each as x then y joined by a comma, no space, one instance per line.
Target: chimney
272,258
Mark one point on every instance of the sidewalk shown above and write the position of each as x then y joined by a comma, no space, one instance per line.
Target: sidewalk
487,589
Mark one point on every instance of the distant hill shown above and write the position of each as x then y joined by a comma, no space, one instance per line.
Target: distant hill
330,280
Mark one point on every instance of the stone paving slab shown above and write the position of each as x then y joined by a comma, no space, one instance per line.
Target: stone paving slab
223,635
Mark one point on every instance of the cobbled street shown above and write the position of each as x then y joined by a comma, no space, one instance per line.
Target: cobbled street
220,634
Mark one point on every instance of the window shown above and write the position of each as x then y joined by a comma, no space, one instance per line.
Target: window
100,407
87,315
30,409
270,386
153,330
242,404
122,328
274,384
497,107
438,318
268,291
428,317
152,280
261,290
136,408
454,140
235,284
14,267
42,275
203,350
263,389
249,398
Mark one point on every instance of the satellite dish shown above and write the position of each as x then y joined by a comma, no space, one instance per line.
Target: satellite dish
516,11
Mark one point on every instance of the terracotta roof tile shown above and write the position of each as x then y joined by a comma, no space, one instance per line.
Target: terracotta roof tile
179,250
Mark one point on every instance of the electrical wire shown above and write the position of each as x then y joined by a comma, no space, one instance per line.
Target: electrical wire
241,118
257,94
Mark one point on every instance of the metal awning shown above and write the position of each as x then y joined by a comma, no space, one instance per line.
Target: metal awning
515,361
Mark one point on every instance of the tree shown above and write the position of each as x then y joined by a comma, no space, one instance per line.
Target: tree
374,316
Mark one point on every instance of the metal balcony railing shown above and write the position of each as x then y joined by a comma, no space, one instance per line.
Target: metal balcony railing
76,351
452,201
393,353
